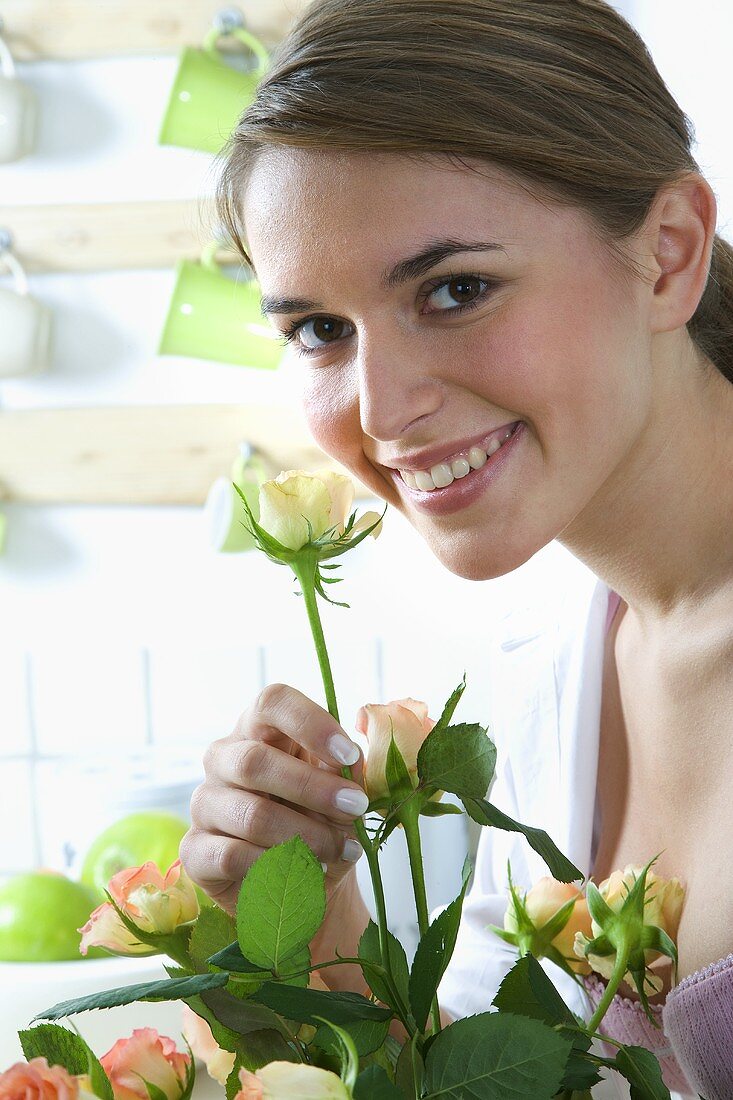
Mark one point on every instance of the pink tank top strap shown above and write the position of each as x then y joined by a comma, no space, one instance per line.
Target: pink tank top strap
613,602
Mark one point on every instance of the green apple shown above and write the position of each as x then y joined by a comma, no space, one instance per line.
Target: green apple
40,912
133,840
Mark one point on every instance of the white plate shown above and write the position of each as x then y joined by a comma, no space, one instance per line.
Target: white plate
28,988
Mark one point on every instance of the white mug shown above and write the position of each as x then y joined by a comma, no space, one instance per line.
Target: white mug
25,325
18,111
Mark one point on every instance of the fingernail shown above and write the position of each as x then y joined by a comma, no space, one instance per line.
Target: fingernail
343,750
351,801
352,850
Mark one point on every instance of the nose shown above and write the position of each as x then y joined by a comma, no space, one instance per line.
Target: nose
396,388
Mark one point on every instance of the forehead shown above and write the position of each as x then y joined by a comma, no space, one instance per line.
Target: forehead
307,207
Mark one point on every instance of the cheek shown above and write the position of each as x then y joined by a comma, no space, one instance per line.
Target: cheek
332,421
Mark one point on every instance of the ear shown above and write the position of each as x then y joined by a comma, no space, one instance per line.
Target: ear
681,234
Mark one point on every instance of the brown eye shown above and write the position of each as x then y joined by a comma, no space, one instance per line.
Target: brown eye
325,329
460,290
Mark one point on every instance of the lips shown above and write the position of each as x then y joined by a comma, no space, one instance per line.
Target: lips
425,459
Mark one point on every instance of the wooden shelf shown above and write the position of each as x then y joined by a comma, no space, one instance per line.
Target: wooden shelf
76,29
111,236
165,454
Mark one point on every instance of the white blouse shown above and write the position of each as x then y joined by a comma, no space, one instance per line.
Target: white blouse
546,667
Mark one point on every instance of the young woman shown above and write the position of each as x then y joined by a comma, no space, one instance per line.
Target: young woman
471,218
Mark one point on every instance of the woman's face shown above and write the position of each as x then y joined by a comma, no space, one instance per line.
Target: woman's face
554,339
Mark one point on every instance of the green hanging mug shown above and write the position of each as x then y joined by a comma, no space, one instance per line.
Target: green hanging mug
211,316
209,95
224,513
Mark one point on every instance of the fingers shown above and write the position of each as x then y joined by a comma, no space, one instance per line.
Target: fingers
217,863
257,766
261,823
280,709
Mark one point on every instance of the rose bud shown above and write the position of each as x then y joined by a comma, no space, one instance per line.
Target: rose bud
405,719
145,1056
286,1080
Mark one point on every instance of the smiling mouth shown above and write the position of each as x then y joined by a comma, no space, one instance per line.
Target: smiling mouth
443,474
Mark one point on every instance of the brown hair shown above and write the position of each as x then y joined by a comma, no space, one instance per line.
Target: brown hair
563,93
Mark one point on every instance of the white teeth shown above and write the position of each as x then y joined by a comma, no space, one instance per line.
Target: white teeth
476,457
423,480
460,467
444,473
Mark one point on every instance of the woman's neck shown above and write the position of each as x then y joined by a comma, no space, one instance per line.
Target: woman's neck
658,531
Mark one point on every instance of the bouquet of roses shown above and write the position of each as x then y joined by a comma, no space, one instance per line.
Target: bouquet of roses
257,1009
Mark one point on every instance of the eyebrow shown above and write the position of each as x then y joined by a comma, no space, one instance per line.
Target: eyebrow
403,272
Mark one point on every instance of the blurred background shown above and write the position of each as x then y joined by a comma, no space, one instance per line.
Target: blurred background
129,640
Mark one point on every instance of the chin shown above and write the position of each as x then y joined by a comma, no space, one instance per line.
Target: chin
482,563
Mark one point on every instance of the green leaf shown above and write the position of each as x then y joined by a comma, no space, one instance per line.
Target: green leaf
252,1046
560,866
439,809
399,780
231,958
409,1065
374,1084
641,1069
460,759
495,1055
165,990
369,949
433,954
214,929
242,1017
528,991
349,1056
281,904
305,1004
62,1047
368,1036
450,706
296,965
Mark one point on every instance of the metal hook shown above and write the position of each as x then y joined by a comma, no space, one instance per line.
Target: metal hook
228,19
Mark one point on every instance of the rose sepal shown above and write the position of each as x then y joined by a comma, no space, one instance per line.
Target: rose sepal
349,1054
326,545
532,939
625,933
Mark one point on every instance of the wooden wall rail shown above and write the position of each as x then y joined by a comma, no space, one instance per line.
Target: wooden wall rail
111,235
76,29
166,454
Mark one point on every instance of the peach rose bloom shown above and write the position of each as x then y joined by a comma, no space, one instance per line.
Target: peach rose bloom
196,1031
542,902
407,719
148,1055
36,1080
663,908
324,499
156,903
287,1080
105,929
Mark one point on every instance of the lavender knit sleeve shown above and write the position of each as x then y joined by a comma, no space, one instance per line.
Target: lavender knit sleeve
698,1021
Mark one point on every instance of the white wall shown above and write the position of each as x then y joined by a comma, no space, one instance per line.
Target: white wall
121,631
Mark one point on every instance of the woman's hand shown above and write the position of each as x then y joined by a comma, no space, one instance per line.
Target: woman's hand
274,776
